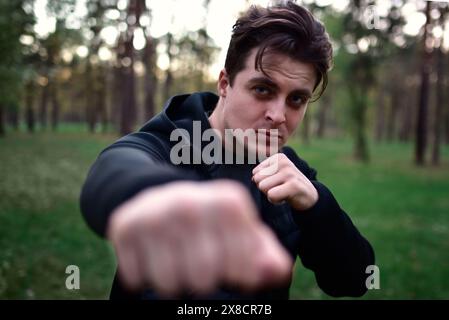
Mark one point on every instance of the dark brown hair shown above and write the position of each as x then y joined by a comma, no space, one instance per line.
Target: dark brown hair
285,28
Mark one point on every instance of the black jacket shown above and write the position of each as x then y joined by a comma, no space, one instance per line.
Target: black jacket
323,236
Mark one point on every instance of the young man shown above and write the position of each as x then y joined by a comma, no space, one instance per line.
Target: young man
215,229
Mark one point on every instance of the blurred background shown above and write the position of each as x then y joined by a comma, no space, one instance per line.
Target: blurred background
75,75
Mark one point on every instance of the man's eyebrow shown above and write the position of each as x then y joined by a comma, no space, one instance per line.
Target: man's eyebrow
264,80
267,81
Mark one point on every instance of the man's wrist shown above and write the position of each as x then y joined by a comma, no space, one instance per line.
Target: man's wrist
306,203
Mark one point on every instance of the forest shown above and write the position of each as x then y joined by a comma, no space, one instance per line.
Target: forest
75,75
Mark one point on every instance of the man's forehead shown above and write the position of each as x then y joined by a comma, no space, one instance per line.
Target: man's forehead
274,64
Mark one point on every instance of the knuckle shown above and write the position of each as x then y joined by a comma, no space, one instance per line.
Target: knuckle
233,199
291,173
204,283
272,196
230,212
130,280
120,229
189,215
168,289
281,156
263,187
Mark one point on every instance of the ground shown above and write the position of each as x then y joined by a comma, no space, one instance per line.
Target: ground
401,209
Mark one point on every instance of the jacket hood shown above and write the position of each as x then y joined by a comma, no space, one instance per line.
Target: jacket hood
180,111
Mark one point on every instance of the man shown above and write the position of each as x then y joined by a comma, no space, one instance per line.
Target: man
226,229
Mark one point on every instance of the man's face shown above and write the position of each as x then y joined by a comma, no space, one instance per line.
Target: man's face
257,101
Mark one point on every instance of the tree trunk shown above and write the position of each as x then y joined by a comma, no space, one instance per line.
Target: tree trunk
447,126
438,109
392,119
150,78
13,117
446,112
101,98
168,75
408,112
380,116
421,127
128,109
90,103
104,114
305,130
43,106
2,120
167,85
29,110
359,117
116,96
55,106
325,105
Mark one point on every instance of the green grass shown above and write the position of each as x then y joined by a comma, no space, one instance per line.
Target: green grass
41,228
403,211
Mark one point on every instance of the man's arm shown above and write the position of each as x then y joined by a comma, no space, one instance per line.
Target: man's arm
128,166
330,244
182,235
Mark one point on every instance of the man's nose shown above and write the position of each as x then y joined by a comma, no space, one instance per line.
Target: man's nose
275,113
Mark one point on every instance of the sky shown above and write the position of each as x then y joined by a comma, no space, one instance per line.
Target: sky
177,16
219,20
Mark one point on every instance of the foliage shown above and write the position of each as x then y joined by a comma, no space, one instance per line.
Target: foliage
14,22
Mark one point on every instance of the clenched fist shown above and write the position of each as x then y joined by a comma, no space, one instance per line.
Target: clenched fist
280,180
195,236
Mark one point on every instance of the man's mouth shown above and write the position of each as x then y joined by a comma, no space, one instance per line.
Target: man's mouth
270,133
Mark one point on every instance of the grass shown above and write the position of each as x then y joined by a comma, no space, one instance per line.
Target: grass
403,211
41,229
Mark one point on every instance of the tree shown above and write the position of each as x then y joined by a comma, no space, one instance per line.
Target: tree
126,59
421,127
324,106
49,64
363,40
189,56
443,8
30,89
150,82
14,22
96,70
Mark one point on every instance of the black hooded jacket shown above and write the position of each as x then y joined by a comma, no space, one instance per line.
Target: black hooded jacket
323,236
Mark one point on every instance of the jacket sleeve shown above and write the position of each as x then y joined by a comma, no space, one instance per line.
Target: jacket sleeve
125,168
330,245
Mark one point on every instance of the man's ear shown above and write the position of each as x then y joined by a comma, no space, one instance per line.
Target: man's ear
223,82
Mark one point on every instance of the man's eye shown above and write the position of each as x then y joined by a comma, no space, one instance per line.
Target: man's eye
297,100
263,91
